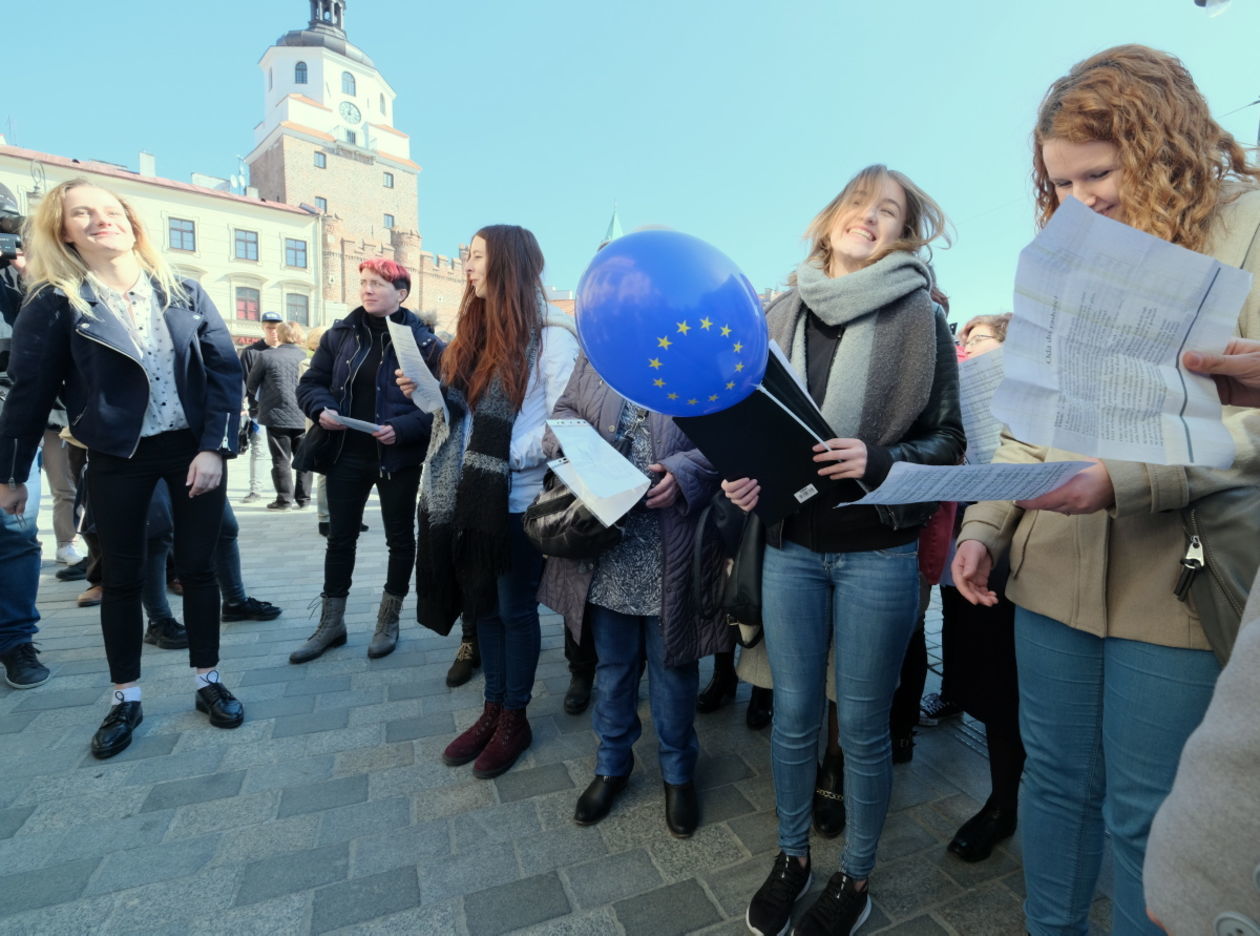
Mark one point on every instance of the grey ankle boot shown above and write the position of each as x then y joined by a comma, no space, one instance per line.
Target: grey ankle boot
386,637
330,633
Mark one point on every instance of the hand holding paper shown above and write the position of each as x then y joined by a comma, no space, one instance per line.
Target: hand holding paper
914,484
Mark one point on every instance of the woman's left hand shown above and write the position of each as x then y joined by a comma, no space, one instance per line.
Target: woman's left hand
842,458
385,435
664,492
205,473
1084,493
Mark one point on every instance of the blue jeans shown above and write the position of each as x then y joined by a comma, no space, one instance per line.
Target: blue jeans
622,643
19,570
866,604
510,637
1104,722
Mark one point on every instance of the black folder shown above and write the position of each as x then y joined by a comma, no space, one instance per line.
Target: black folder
755,438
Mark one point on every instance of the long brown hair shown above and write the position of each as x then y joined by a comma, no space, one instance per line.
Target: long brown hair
1174,156
492,334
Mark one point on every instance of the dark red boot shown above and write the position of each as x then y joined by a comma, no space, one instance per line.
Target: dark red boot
473,741
511,737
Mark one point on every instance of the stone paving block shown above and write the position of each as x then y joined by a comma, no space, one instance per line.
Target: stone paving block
293,872
280,916
60,814
347,822
258,841
400,691
468,872
611,878
559,848
271,674
316,685
289,725
134,867
260,753
37,741
30,850
348,739
53,761
142,747
178,766
287,773
919,926
223,814
521,784
988,910
13,724
373,759
349,698
903,835
46,700
361,899
45,886
425,920
722,769
101,837
712,846
11,819
527,902
501,824
167,906
598,922
722,803
758,832
678,908
410,845
909,886
734,886
285,705
425,726
326,794
175,793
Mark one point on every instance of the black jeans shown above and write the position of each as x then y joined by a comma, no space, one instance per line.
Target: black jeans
349,483
120,491
283,443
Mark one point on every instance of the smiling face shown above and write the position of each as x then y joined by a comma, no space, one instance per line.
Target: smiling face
475,266
95,223
866,225
1089,172
378,295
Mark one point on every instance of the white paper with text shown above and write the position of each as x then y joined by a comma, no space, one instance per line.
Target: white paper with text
601,477
909,483
428,392
978,379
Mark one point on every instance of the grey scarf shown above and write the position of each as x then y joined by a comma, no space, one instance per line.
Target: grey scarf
881,378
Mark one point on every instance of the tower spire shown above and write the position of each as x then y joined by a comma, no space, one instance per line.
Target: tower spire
329,16
614,227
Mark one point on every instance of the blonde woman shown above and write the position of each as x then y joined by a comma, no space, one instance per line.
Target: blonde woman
273,381
153,389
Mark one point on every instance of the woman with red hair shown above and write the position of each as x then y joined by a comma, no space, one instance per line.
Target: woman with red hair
503,374
351,374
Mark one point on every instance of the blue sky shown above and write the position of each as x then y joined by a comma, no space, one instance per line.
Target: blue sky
733,120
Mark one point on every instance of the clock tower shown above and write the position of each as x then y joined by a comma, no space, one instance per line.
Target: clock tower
327,143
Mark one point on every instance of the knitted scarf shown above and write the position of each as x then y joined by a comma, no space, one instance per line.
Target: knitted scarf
464,544
881,378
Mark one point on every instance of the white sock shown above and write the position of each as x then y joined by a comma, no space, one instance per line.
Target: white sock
205,679
131,694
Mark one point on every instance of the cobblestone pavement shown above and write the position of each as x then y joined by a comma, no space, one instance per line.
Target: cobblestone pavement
330,811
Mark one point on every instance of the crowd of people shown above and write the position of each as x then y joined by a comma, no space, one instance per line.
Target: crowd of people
1062,633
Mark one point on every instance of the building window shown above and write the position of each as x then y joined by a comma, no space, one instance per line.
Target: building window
383,104
321,161
321,204
297,308
183,234
294,252
389,180
299,73
246,245
389,222
247,303
271,78
352,138
347,83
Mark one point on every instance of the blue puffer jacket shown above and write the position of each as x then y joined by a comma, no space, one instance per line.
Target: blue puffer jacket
327,384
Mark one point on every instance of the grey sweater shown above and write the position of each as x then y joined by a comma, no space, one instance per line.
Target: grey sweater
274,378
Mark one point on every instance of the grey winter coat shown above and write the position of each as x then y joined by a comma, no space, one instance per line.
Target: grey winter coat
566,582
274,379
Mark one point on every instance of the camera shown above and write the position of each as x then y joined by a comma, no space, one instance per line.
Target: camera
10,244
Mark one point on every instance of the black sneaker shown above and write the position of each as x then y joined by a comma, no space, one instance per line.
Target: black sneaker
935,708
839,910
251,609
21,668
166,634
279,505
770,912
73,573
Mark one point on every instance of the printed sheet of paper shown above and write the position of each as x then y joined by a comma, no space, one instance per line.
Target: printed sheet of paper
978,378
1102,314
600,476
361,425
913,484
428,393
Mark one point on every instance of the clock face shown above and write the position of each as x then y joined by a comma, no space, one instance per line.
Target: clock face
349,112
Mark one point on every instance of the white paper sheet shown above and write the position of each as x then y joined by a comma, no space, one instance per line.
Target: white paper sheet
361,425
908,483
600,476
1102,314
428,393
978,378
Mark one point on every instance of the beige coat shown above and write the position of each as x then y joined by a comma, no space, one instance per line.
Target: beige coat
1112,573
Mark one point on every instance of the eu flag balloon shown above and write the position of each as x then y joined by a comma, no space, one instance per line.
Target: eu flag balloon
671,323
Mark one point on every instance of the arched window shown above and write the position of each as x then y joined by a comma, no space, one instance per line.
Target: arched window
347,83
383,111
299,73
271,78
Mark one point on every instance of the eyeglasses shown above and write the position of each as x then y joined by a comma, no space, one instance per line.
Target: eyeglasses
975,340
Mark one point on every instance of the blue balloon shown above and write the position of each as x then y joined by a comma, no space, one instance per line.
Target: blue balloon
672,324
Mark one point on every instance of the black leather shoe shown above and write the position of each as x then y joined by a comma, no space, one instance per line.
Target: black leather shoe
579,695
719,691
682,809
166,634
760,708
224,709
597,799
978,835
829,811
115,732
903,748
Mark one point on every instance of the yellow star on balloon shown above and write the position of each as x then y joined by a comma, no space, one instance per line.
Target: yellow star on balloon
738,347
672,396
658,382
706,323
664,342
654,363
712,397
692,402
739,367
726,331
730,385
683,328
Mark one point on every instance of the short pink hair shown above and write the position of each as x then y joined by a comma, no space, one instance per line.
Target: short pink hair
394,273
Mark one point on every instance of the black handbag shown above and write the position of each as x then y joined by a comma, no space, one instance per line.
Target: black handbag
317,452
737,593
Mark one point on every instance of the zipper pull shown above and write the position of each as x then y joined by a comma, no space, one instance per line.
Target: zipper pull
1191,563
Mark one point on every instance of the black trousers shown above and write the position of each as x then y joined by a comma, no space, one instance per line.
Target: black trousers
282,443
904,715
120,490
349,483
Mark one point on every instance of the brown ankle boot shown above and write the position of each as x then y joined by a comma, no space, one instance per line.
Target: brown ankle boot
511,737
473,741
